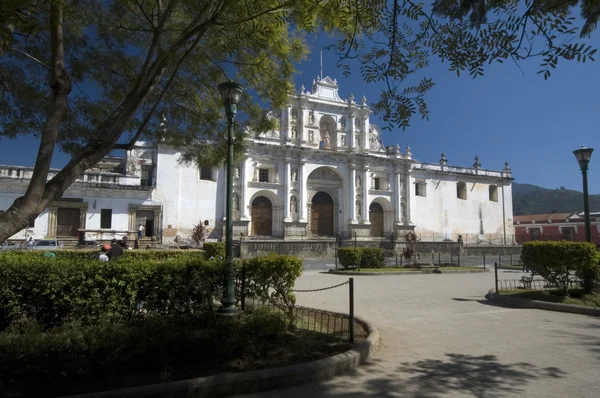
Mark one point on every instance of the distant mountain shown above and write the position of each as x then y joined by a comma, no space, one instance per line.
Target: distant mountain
532,199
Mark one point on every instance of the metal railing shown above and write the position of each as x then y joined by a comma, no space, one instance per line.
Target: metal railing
397,259
333,323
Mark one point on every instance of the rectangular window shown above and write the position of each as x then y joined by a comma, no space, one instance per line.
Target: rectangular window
377,183
206,173
147,176
31,223
105,178
106,218
493,193
461,190
263,175
420,189
569,233
535,233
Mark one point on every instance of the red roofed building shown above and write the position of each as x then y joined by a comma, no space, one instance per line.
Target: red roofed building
555,226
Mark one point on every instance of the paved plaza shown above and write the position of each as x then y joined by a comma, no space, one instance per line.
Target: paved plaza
441,338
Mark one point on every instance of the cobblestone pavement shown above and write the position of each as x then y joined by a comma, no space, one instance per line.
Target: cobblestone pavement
441,338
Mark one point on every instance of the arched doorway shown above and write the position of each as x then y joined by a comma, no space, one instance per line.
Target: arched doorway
321,217
376,219
262,216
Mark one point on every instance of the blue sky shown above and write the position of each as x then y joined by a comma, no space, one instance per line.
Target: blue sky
532,123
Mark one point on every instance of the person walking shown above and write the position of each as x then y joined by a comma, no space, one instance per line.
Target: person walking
140,231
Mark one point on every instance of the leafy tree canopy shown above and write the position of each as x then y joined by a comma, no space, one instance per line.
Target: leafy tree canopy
95,75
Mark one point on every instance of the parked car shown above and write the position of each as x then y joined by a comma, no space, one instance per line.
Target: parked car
47,244
88,244
6,245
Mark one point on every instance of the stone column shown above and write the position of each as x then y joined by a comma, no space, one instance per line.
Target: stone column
286,190
350,130
302,184
365,133
286,122
52,224
365,193
397,196
353,193
243,185
407,191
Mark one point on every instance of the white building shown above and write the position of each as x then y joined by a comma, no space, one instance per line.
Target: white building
323,172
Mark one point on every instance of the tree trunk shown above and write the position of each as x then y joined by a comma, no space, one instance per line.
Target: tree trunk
41,193
26,207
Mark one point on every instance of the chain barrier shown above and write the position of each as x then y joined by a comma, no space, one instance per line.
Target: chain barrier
320,289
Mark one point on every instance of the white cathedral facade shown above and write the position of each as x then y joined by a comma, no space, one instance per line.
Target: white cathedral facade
324,171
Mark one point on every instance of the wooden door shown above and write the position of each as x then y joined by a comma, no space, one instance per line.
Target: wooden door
321,217
67,221
145,218
262,216
376,219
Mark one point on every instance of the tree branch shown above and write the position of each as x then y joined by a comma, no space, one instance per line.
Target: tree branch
31,57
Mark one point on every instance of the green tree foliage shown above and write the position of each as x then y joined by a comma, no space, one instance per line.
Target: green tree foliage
559,262
468,35
93,76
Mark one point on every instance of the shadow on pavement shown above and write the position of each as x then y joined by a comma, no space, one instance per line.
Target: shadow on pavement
454,375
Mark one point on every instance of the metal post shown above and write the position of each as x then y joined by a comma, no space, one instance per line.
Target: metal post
336,250
484,261
354,238
500,257
439,259
496,276
243,292
459,259
228,299
351,320
586,205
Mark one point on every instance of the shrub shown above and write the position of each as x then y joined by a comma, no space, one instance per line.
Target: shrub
270,278
86,254
75,351
365,257
51,291
372,258
214,249
557,261
349,256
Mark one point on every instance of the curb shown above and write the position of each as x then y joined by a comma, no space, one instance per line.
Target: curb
257,380
542,305
472,271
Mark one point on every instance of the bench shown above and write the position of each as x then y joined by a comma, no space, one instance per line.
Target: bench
526,281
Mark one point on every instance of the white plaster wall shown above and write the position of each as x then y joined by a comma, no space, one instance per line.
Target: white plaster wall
442,212
167,189
185,198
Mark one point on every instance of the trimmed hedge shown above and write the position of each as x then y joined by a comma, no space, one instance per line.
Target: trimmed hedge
365,257
214,249
271,277
54,290
558,261
86,254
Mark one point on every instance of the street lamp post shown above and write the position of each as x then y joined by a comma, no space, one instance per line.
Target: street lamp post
583,156
230,93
